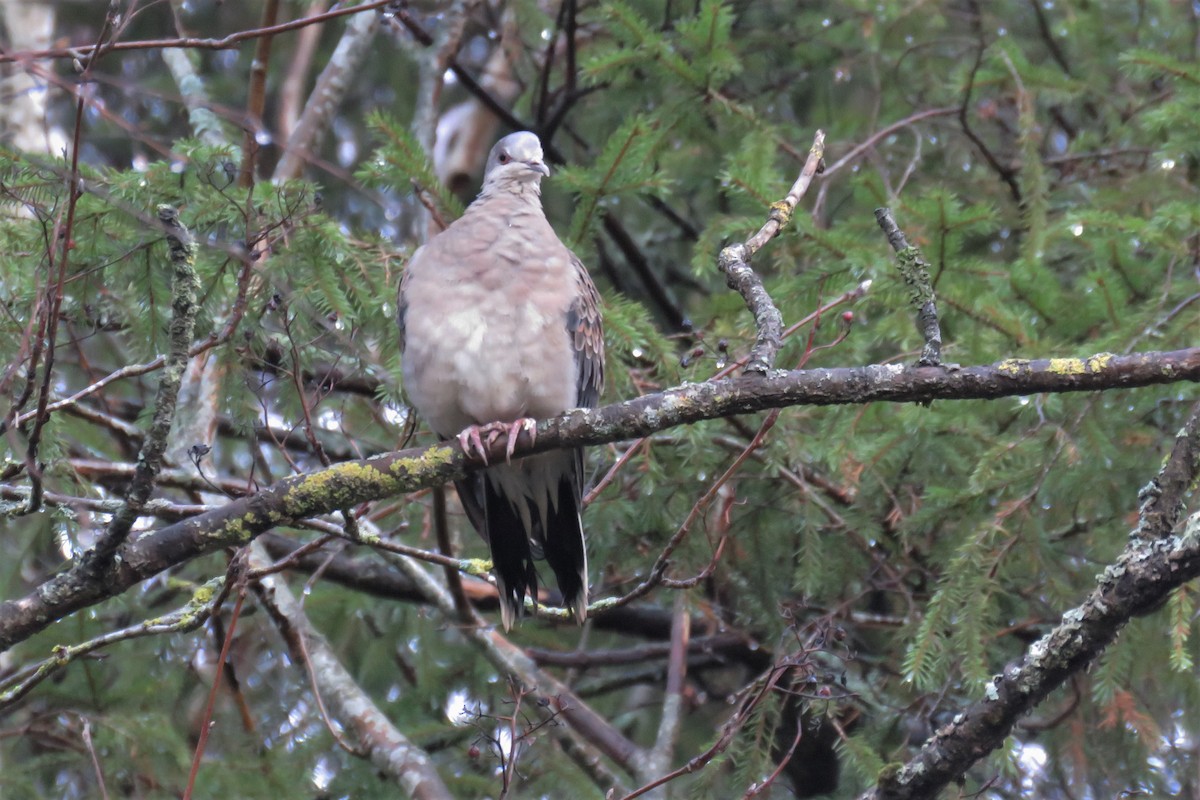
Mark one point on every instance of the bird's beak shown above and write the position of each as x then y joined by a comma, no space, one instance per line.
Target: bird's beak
539,166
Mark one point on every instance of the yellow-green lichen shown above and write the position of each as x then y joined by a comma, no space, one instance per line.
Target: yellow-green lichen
1066,366
782,211
479,567
603,604
233,530
203,595
1012,366
336,487
421,464
553,612
1080,366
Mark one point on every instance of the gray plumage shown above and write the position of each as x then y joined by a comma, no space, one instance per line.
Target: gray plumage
499,322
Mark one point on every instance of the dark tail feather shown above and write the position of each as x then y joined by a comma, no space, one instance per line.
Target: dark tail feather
512,559
563,543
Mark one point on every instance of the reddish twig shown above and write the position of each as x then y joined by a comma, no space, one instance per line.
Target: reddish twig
192,43
206,721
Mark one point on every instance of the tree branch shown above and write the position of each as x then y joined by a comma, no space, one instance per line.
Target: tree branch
734,261
1139,582
224,43
337,76
185,291
389,750
389,475
915,271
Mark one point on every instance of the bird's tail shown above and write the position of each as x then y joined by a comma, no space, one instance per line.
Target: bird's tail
512,558
564,548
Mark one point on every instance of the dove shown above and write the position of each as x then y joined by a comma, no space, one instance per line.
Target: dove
500,326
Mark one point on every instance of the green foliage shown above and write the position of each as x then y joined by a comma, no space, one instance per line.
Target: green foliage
400,162
862,758
949,634
625,167
1181,611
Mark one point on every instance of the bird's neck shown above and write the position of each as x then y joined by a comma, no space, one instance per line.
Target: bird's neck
529,192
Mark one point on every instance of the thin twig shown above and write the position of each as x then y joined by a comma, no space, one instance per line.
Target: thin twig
883,133
256,96
224,43
186,619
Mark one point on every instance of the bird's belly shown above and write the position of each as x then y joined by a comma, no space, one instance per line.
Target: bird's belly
498,365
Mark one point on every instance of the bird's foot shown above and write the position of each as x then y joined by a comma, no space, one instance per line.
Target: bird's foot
478,439
514,432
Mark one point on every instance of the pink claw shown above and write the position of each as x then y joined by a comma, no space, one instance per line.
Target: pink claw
473,443
514,433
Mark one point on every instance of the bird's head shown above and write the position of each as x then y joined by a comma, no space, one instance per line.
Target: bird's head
516,159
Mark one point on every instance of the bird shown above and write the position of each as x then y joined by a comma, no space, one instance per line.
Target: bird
499,326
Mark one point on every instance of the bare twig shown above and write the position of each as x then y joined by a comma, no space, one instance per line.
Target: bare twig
1007,174
224,43
256,96
86,734
883,133
734,261
235,578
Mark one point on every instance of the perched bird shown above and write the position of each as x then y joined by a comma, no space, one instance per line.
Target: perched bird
500,325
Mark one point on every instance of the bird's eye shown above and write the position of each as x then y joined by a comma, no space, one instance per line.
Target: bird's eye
503,158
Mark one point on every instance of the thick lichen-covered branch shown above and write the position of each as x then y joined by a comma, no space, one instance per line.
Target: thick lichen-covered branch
1156,561
353,482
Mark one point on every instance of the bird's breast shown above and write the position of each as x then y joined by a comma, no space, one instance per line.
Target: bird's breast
487,339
